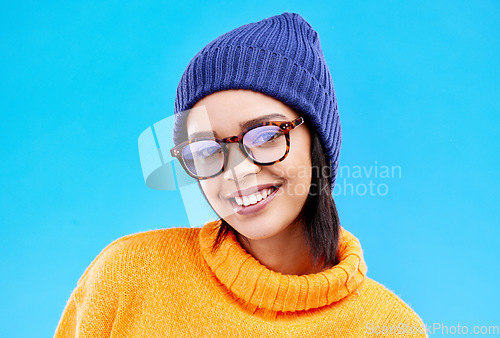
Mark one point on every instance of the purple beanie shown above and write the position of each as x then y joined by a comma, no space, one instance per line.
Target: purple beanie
279,56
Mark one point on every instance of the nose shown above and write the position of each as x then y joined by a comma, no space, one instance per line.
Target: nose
239,165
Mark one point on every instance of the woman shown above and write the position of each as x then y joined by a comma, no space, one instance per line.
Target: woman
257,125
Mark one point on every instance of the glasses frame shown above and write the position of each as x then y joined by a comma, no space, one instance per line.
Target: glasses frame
285,126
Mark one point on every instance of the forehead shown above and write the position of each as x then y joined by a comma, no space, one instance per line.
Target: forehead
226,113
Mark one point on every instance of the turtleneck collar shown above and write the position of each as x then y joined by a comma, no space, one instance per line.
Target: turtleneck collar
262,287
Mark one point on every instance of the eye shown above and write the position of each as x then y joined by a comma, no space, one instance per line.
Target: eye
267,136
201,150
208,150
262,136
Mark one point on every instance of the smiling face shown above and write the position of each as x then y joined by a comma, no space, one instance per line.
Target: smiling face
259,202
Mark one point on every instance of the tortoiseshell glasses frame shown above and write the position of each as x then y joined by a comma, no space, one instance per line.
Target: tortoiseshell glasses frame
285,127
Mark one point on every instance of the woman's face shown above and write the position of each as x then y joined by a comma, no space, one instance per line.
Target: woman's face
285,183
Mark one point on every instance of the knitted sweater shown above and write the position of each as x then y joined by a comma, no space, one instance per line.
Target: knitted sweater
167,283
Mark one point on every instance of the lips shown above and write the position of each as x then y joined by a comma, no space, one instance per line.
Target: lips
254,199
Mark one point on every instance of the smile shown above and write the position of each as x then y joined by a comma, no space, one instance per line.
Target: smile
254,198
245,204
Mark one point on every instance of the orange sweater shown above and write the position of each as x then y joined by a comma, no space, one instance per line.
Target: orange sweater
166,283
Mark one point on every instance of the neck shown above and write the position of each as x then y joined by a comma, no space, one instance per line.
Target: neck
287,252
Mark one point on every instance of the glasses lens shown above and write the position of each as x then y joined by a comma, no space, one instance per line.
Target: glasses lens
203,158
265,144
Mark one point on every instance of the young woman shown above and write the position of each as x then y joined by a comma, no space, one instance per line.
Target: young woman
257,125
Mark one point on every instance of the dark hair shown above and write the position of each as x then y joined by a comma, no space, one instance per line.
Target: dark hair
319,215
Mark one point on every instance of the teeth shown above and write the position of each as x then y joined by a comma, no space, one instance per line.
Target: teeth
253,198
239,200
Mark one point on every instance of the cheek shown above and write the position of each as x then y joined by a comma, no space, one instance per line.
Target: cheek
297,175
296,168
212,189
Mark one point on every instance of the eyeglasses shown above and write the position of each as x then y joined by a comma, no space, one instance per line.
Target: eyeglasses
265,143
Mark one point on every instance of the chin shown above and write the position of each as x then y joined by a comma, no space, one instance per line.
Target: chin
270,221
257,229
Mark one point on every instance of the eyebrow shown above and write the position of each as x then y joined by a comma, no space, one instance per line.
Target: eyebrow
243,125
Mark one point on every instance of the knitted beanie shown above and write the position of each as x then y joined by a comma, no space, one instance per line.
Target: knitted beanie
279,56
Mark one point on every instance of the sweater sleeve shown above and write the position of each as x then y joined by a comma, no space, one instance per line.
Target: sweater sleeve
91,309
67,323
391,315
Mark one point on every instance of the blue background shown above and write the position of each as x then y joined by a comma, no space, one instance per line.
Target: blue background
417,84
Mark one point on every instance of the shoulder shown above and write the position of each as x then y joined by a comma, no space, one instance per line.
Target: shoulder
170,239
384,296
128,266
126,254
387,311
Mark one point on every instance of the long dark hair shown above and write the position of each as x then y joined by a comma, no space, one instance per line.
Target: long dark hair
319,215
